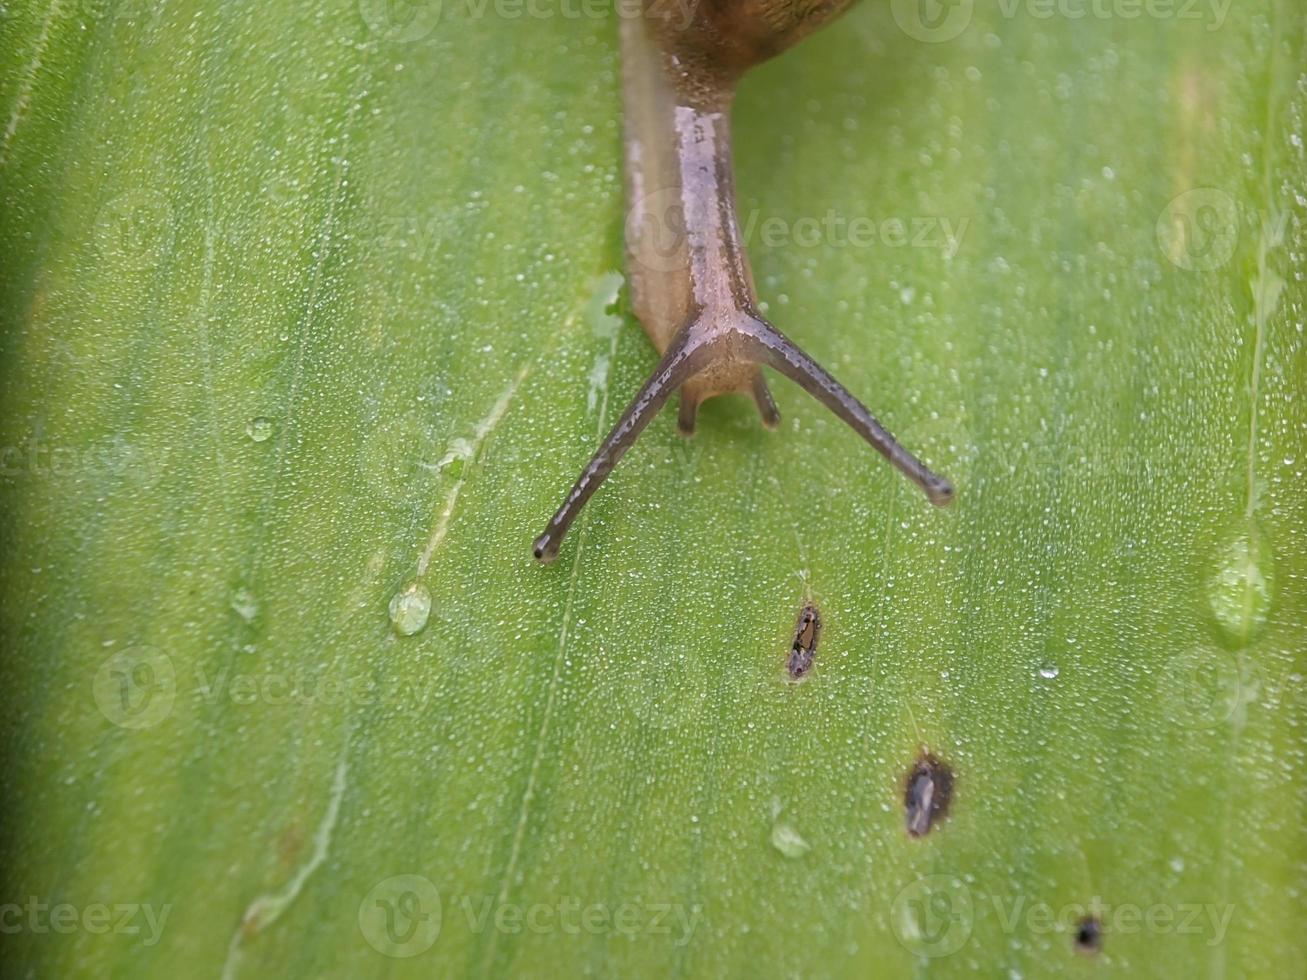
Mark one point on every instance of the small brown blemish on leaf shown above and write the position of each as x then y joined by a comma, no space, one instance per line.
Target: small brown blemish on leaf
807,631
254,920
290,844
1089,936
926,795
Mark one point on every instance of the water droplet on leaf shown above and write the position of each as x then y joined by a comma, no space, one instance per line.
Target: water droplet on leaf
259,428
245,604
789,841
1240,591
409,608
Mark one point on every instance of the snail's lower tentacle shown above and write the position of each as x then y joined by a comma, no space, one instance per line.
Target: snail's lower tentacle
771,415
688,413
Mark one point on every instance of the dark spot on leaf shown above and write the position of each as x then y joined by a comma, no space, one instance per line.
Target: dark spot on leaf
1089,936
807,631
926,794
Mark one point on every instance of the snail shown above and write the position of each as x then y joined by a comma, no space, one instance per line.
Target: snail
691,286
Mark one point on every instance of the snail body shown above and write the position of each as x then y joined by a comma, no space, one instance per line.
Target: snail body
691,285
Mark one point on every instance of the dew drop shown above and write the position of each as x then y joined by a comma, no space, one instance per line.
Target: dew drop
259,428
409,608
1240,591
788,841
245,604
1048,671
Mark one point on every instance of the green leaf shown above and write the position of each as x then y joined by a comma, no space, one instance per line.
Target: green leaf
309,320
